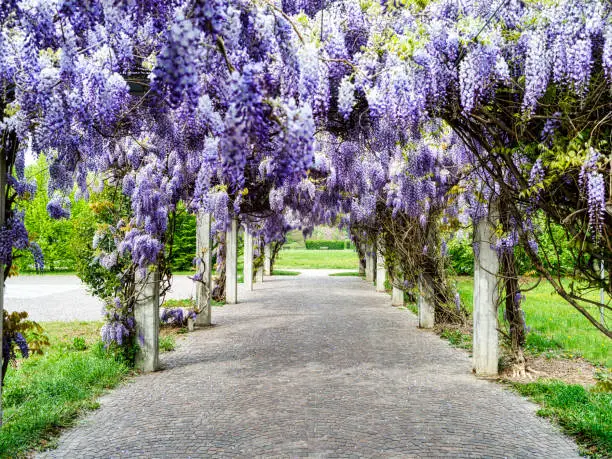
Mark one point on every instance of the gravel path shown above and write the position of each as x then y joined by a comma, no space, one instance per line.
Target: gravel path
313,366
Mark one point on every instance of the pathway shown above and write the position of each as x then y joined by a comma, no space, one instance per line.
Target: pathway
313,366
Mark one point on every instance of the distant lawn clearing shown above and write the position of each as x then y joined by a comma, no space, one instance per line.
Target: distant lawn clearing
317,259
555,325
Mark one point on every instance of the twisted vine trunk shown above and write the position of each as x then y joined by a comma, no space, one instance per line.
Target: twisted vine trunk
218,291
433,272
275,248
511,298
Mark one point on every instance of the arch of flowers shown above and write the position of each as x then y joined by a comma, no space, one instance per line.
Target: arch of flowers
401,120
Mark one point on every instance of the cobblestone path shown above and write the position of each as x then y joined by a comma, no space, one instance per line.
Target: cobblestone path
313,366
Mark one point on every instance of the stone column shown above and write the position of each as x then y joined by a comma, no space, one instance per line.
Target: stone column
267,267
397,297
259,275
146,315
248,259
204,252
370,263
381,272
426,308
231,263
486,265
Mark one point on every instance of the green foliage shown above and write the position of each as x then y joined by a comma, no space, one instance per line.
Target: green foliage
167,343
461,256
14,324
79,344
186,303
329,245
106,208
554,249
456,338
183,240
584,414
55,237
46,393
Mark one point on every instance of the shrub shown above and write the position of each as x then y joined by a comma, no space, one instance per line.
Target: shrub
322,244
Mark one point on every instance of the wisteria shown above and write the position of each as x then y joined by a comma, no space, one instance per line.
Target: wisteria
389,118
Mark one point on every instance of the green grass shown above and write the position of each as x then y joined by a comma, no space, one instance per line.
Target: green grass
347,273
46,393
457,339
584,414
555,325
281,272
167,343
322,259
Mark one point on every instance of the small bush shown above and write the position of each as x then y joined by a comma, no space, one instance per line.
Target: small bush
79,344
329,245
167,343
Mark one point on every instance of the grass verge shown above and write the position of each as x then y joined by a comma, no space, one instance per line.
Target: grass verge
581,413
347,273
557,329
44,394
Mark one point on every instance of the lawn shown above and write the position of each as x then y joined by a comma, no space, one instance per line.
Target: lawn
584,414
46,393
555,325
317,259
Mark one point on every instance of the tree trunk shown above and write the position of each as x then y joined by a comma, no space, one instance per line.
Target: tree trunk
218,292
511,299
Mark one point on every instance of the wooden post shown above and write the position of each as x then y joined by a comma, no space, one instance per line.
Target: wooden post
204,252
146,315
231,265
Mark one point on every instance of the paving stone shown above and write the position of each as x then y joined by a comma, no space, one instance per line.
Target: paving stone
313,366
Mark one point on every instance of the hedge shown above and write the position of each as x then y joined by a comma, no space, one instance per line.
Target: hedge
330,245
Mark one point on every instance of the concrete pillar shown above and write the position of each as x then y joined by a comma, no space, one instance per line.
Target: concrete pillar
248,259
267,267
259,275
397,297
204,253
231,263
381,271
146,316
486,265
427,313
370,263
